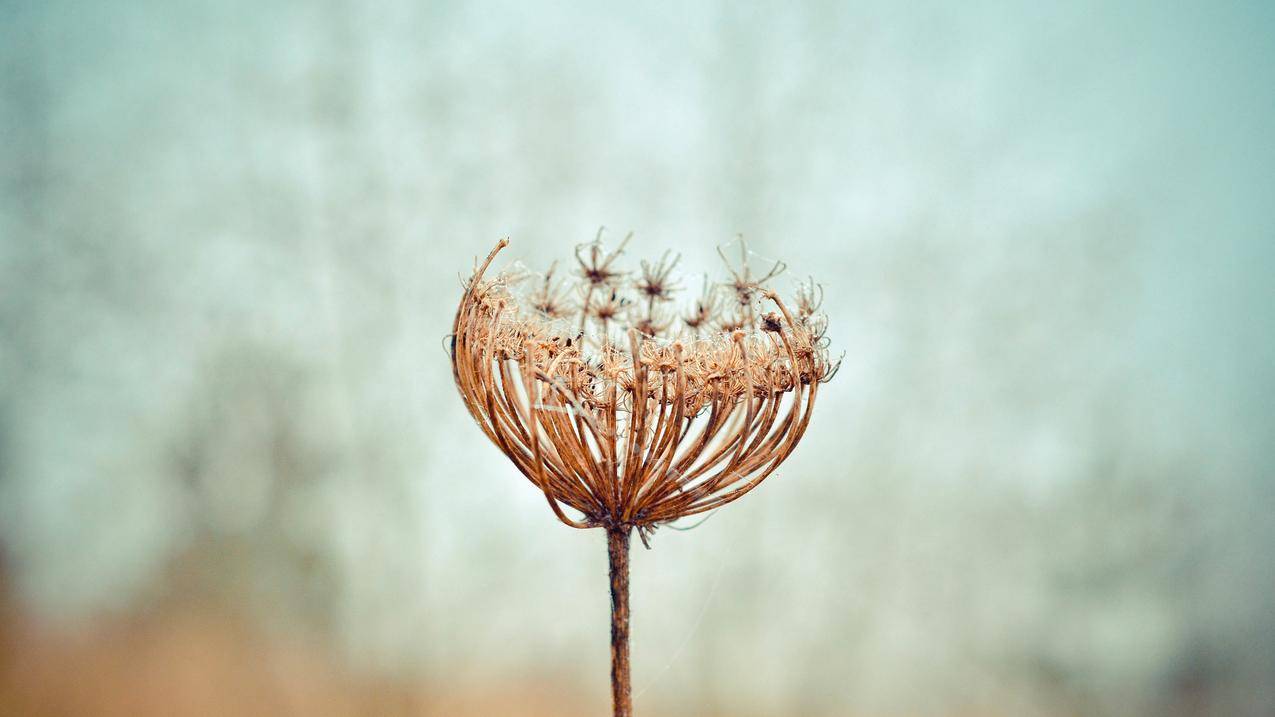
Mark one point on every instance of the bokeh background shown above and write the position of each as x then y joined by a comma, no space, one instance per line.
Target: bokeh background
235,477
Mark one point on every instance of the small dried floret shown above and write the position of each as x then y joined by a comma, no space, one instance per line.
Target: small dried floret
809,298
596,269
742,281
651,324
548,299
772,322
735,322
705,309
654,282
609,308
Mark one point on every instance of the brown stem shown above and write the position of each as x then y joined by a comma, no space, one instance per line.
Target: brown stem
618,555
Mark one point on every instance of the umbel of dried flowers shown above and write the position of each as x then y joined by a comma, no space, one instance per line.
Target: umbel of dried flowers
628,414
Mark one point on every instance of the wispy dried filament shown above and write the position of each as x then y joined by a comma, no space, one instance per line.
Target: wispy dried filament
624,412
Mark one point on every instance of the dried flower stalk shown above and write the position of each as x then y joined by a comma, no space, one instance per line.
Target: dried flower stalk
623,426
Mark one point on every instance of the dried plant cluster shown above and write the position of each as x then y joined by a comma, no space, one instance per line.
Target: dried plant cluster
628,412
625,411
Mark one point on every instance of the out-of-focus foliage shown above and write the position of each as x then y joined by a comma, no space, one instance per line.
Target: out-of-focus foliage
231,236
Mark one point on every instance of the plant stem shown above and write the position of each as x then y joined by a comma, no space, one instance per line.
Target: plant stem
618,556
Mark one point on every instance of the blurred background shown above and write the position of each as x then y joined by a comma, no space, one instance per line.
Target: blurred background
236,478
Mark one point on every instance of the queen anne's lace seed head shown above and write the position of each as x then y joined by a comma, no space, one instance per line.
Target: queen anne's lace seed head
620,412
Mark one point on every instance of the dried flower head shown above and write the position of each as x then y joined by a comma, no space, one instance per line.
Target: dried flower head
648,428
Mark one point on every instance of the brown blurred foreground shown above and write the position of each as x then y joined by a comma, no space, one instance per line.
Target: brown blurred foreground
195,662
200,661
